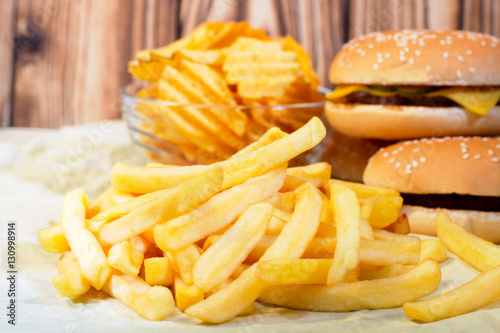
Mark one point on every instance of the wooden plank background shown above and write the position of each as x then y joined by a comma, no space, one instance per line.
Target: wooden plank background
63,62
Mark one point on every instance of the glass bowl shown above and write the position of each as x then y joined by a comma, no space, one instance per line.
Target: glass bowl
185,134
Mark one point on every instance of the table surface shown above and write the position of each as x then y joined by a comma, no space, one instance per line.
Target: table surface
38,166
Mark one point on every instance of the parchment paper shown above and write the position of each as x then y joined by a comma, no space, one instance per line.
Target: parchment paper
31,191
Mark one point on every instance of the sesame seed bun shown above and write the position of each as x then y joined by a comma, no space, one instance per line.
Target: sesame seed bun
400,122
451,165
419,57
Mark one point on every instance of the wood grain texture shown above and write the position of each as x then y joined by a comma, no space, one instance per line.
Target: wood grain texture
7,21
71,55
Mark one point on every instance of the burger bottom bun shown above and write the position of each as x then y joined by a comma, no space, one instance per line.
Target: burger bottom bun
483,224
391,122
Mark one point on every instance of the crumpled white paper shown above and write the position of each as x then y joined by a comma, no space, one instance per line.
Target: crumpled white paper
29,199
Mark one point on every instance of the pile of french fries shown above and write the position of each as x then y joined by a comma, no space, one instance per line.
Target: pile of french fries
211,240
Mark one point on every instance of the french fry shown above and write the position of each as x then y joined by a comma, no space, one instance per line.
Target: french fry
376,294
70,281
216,213
84,245
158,271
52,239
477,252
219,261
317,174
183,261
186,295
345,207
293,271
478,292
124,258
375,252
175,202
270,136
234,298
152,303
362,191
401,226
385,235
382,211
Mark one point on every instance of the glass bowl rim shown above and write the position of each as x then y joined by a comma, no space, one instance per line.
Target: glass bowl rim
126,96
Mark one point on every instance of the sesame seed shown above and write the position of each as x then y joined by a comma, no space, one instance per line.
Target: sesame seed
464,149
460,58
428,68
370,46
490,152
402,58
387,55
414,164
442,42
417,52
398,164
476,157
465,156
446,55
485,139
394,152
400,148
380,60
493,45
497,146
459,73
472,69
468,52
392,160
483,43
422,159
375,66
411,61
463,144
407,143
408,171
407,49
385,154
416,149
494,159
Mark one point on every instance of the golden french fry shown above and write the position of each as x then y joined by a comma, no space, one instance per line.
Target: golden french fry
478,292
152,303
235,297
219,261
401,226
477,252
317,173
173,203
433,249
362,191
283,201
84,245
385,235
293,271
158,271
52,239
374,252
365,229
382,211
183,261
124,258
375,294
216,213
270,136
186,295
345,208
96,222
70,281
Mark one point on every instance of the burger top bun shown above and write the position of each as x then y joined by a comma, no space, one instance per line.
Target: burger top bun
467,166
419,57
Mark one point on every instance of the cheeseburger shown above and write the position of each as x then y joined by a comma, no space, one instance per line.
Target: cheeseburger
459,175
416,83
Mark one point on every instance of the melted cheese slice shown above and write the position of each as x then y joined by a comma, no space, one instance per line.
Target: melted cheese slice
474,100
